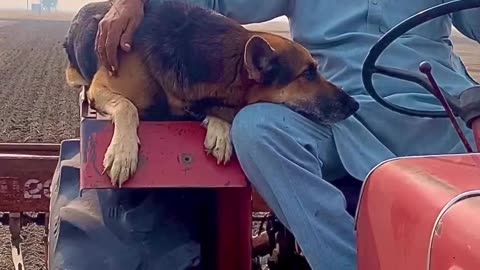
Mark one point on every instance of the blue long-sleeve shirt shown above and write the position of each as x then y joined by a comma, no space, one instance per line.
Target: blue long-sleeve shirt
339,34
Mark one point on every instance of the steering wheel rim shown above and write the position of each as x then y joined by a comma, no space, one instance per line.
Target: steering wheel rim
370,67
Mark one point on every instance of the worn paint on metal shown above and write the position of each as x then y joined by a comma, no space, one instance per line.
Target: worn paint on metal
400,202
171,155
455,241
25,175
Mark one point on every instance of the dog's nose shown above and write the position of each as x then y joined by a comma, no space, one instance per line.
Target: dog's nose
349,102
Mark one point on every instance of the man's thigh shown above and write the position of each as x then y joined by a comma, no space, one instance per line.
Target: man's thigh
279,125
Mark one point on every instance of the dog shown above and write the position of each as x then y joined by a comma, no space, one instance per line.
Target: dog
190,61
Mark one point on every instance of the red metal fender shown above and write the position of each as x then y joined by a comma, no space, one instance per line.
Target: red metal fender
455,242
411,216
171,155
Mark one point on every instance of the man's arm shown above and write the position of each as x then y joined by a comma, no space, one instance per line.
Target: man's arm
120,23
467,22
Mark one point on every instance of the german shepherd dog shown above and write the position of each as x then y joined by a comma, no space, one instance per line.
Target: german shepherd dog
190,61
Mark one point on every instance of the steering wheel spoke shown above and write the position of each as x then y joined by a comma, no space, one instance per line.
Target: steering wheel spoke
370,67
405,75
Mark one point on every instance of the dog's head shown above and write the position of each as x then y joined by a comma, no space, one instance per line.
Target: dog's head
285,72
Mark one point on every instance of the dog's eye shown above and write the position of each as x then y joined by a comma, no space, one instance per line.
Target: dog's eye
310,74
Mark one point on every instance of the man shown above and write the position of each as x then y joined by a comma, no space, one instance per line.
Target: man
290,159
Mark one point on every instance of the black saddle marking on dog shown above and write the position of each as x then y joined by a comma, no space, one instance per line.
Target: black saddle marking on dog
186,39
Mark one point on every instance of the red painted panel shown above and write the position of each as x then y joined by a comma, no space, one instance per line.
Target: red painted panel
171,155
234,225
456,242
400,203
25,182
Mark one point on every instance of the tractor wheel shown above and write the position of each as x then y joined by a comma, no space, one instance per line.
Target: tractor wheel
120,229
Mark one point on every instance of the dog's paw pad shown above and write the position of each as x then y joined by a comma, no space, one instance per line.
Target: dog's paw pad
217,141
120,161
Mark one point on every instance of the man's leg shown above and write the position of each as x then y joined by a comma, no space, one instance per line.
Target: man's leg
285,156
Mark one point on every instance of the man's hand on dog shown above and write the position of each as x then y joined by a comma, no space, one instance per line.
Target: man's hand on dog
117,28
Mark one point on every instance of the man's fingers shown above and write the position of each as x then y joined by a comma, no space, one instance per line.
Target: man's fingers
111,48
127,37
100,46
117,29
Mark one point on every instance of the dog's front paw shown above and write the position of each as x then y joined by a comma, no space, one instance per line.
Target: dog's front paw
217,141
120,161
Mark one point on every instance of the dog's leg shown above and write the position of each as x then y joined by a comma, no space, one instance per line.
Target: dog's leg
217,140
121,157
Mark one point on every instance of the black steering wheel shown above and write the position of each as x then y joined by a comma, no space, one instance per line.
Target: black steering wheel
370,68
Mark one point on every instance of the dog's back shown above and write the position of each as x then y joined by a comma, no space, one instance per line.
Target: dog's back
197,44
173,36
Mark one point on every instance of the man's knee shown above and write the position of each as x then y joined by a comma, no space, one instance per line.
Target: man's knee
254,123
262,124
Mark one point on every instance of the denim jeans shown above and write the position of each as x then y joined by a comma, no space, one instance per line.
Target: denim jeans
290,160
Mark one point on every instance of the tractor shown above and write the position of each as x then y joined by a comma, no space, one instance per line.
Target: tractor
411,212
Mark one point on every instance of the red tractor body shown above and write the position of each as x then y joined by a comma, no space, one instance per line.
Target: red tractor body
421,213
172,156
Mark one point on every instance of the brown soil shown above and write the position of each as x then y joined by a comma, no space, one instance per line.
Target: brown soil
37,106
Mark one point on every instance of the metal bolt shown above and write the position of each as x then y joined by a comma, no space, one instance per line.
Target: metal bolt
186,159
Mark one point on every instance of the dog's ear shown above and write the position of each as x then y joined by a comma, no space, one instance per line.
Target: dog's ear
259,59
